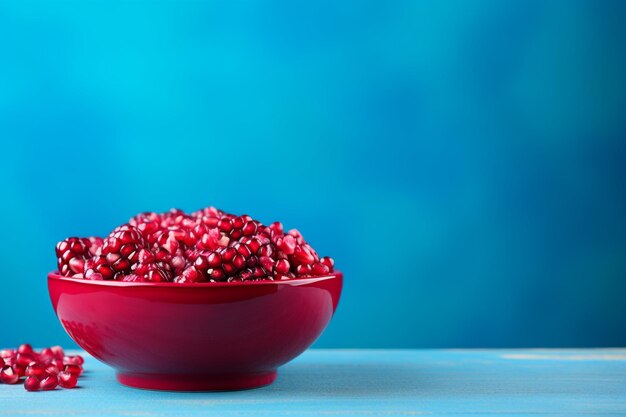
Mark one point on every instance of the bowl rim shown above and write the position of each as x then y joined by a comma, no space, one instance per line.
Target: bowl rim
54,275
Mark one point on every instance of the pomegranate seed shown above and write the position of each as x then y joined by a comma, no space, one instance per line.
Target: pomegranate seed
239,261
58,363
49,383
329,262
228,254
52,369
217,274
134,278
70,253
73,360
266,250
214,260
20,370
57,351
302,256
243,250
8,375
252,261
74,369
249,228
281,266
229,269
32,383
23,359
46,353
6,353
319,269
192,274
238,222
67,380
225,225
25,349
277,228
287,244
35,369
253,244
245,274
304,270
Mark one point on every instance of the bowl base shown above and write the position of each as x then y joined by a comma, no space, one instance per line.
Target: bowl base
168,382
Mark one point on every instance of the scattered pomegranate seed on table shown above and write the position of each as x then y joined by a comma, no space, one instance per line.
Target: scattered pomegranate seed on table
44,370
208,245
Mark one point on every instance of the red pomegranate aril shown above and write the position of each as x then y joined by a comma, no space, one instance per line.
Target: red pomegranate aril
281,266
157,275
78,360
8,375
67,380
58,362
74,369
57,351
178,262
249,228
51,369
134,278
245,274
225,225
46,353
23,359
266,250
252,261
239,261
258,272
25,349
7,353
228,254
302,256
73,360
49,383
253,244
229,269
20,370
267,263
35,369
216,274
32,383
191,274
214,260
303,269
287,244
160,255
76,265
243,250
236,234
329,262
238,222
201,263
319,269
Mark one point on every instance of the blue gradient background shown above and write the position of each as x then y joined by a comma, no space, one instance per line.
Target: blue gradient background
464,162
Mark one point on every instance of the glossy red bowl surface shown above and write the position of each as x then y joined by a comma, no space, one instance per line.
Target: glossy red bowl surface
212,336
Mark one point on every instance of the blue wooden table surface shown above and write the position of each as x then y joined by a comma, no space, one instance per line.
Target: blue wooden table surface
369,382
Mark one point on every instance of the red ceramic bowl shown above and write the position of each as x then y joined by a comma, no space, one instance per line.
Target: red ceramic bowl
219,336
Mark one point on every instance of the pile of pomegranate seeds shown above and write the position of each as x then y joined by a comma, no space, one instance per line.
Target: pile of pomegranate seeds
44,370
208,245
